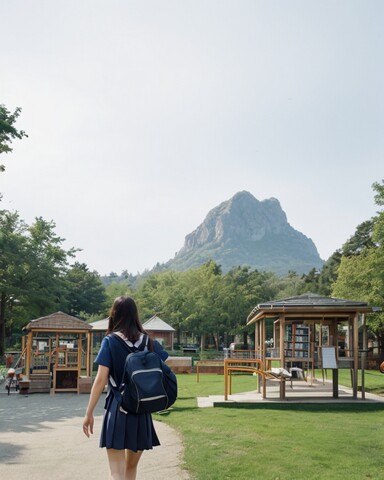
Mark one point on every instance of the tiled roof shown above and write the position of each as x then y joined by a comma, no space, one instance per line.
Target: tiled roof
100,325
153,324
156,324
307,303
58,321
311,299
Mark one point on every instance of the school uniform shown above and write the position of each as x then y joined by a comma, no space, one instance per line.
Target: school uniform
124,430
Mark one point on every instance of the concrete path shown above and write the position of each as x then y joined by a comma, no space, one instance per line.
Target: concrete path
41,437
301,392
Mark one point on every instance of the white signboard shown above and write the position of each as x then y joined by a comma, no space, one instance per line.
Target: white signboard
329,357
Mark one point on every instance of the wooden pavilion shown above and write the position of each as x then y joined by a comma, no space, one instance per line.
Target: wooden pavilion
307,332
57,354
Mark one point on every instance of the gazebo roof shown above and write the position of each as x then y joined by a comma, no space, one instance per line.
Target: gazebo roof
157,324
58,321
309,303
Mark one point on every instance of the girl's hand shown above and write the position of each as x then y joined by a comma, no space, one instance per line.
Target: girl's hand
88,425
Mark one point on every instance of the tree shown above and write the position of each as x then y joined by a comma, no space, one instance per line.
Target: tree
360,240
84,291
206,315
13,266
32,268
361,274
8,131
328,274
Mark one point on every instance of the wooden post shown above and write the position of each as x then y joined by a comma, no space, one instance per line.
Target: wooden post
282,389
282,334
79,359
257,339
363,357
355,353
88,354
335,382
28,355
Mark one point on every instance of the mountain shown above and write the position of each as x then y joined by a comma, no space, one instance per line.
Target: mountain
244,231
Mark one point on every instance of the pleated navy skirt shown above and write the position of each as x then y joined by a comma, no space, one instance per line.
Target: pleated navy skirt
126,431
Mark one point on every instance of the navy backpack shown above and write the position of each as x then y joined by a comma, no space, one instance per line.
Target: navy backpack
148,384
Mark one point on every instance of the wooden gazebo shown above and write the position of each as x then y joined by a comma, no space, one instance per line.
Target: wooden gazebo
308,332
57,354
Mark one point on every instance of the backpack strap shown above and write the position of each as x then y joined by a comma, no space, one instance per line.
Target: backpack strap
130,350
143,344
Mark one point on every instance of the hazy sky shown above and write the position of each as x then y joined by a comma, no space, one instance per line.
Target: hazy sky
144,115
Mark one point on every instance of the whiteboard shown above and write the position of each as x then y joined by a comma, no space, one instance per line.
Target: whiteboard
329,357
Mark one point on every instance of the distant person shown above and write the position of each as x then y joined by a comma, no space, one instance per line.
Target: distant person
124,435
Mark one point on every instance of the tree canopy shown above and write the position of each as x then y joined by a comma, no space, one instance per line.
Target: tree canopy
8,131
361,271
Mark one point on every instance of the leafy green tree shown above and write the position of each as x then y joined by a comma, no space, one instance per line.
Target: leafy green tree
85,293
360,240
328,274
361,275
32,268
13,267
8,131
243,290
116,289
47,266
206,315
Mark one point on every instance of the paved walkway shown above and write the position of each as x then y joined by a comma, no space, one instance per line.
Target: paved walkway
41,437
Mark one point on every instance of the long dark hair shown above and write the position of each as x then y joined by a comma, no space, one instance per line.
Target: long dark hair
124,318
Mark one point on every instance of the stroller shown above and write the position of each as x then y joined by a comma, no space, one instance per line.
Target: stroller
13,379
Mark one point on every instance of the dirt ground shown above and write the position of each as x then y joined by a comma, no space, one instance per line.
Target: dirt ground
41,437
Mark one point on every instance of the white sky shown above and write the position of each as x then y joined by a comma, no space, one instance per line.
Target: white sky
143,115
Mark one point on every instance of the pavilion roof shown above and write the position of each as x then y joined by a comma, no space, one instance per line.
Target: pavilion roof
58,321
308,303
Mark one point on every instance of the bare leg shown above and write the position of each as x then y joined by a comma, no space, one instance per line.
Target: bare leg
116,460
131,462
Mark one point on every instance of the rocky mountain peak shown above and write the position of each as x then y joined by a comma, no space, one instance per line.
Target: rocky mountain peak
246,231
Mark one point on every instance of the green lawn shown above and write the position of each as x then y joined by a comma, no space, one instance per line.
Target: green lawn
274,442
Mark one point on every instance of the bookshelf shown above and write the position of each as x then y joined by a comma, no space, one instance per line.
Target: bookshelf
296,342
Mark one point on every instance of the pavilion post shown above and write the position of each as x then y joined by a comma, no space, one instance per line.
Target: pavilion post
88,354
28,355
355,352
282,333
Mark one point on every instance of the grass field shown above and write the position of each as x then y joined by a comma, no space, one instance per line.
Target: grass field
278,442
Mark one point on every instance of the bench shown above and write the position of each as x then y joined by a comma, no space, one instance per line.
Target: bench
190,348
254,366
209,366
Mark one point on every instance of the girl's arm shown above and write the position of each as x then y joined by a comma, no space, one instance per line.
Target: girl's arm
97,388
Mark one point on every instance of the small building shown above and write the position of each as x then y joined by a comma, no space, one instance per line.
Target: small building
57,351
160,331
155,326
99,329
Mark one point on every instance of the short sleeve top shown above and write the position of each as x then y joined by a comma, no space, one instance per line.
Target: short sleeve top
112,354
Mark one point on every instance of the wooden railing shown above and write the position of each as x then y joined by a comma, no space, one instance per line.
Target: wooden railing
250,366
